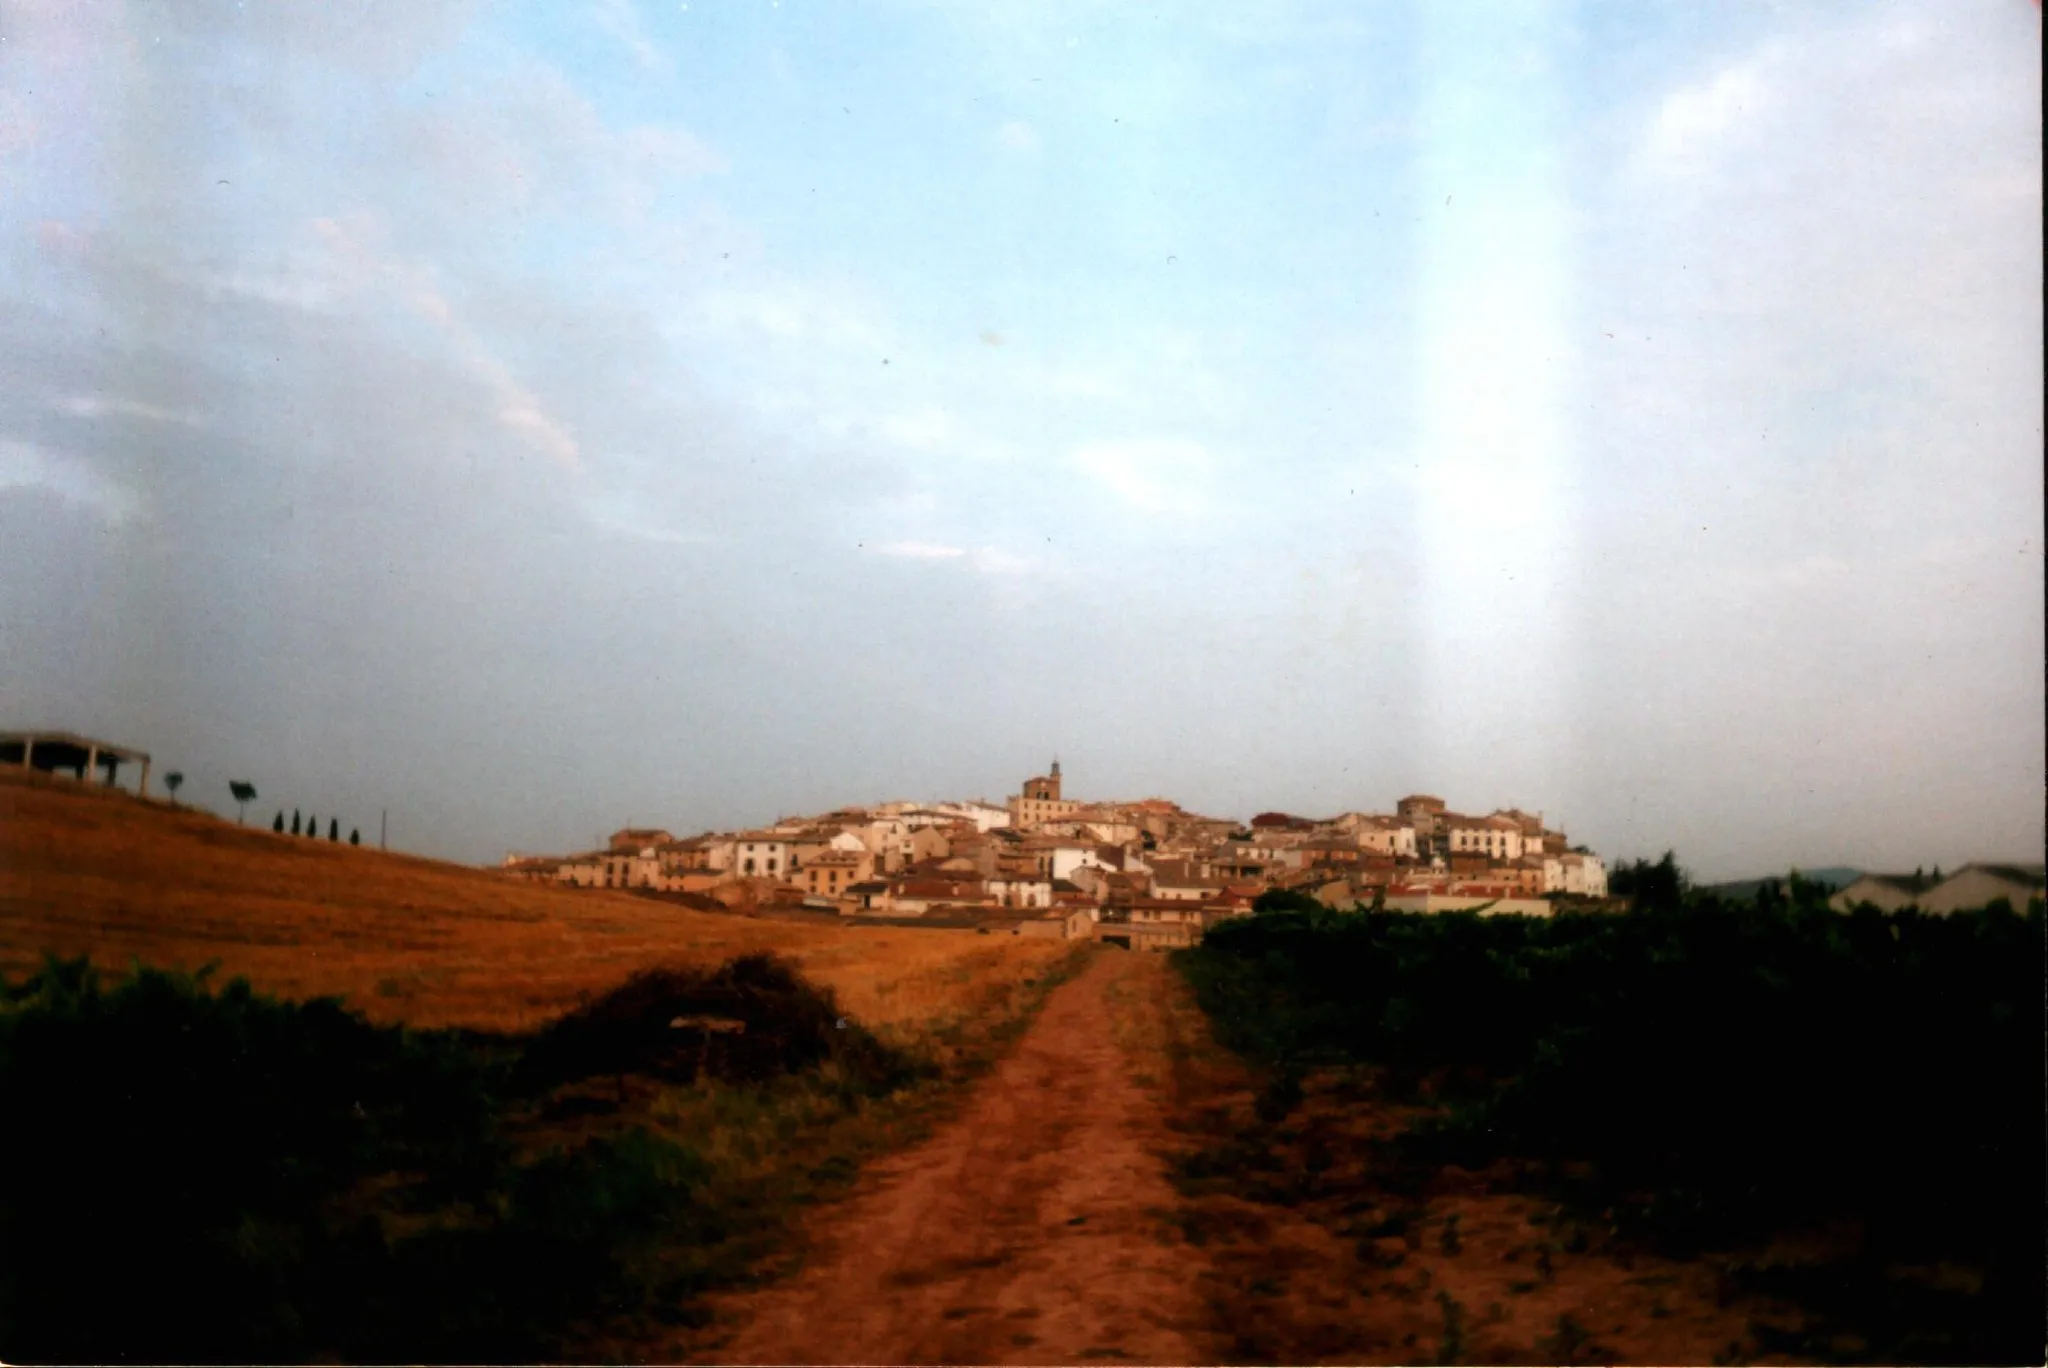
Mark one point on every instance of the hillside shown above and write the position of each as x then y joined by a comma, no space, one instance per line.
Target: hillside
88,871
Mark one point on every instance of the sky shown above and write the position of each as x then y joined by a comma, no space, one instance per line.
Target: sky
526,419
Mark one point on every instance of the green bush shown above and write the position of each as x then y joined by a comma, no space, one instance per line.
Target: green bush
197,1175
1725,1071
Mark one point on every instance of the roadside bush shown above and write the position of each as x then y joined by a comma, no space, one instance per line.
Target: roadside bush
748,1021
177,1163
192,1175
1724,1071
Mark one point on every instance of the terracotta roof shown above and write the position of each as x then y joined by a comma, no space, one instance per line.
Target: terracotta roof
936,888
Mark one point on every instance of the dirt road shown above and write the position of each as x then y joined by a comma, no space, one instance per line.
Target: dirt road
1031,1229
1040,1227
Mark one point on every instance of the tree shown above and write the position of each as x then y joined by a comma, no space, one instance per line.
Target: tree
277,823
1285,900
295,821
312,826
334,828
355,838
174,781
244,794
1659,887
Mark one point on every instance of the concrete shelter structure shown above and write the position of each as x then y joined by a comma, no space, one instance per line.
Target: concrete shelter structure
86,756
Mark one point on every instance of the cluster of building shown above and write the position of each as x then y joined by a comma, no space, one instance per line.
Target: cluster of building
1148,874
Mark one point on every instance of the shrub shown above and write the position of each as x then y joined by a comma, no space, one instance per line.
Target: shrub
1725,1071
176,1177
750,1020
219,1176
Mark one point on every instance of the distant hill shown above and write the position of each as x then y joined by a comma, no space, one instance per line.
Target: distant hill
1834,876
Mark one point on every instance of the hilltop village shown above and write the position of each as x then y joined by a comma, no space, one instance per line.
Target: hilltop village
1148,873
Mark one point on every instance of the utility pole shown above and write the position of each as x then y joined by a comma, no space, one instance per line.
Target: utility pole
381,812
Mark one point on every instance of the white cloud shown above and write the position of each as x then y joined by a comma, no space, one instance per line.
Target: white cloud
675,150
989,561
1159,476
920,550
1693,119
926,429
984,560
620,20
631,518
24,465
795,311
360,242
101,405
18,129
1018,136
522,416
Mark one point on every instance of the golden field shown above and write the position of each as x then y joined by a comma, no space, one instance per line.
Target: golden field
91,871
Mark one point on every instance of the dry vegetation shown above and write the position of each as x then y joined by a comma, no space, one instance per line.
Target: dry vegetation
93,872
484,1205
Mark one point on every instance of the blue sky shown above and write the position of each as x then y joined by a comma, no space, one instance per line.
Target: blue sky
528,418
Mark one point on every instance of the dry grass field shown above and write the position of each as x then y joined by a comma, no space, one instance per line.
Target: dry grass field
88,871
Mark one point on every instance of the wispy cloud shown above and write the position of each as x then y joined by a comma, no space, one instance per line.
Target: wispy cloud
991,561
676,151
630,518
925,429
1153,475
791,310
521,413
104,405
1018,136
985,560
920,550
1693,118
621,20
17,129
26,465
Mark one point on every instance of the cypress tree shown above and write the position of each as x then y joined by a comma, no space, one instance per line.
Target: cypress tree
334,828
295,821
354,837
278,825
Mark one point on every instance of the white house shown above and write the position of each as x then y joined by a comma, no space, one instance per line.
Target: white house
1378,835
1975,885
583,871
985,816
1185,887
1020,890
1886,892
1572,873
636,868
1497,838
1063,860
760,854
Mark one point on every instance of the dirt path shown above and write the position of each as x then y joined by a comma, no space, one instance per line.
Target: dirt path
1040,1227
1034,1228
